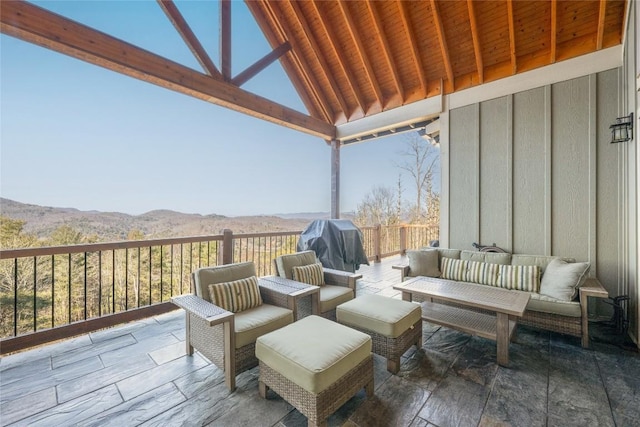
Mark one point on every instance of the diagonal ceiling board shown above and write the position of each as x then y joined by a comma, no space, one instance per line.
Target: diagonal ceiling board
443,44
287,61
317,51
39,26
262,63
413,44
476,41
178,21
554,31
386,50
353,86
601,18
512,37
351,27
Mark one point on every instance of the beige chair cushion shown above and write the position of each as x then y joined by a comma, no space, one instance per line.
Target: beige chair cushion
386,316
545,304
254,322
561,280
285,263
311,274
313,352
236,296
423,263
332,296
222,273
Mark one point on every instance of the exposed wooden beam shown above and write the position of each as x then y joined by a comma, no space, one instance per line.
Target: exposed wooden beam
276,38
176,18
36,25
443,43
225,38
554,30
317,51
413,43
261,64
353,85
303,65
386,49
476,41
512,37
601,16
351,26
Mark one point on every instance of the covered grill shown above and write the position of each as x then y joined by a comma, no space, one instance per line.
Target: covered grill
336,242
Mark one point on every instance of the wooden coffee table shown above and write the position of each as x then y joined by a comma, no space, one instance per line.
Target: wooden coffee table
507,305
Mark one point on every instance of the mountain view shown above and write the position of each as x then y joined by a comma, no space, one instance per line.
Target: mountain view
43,220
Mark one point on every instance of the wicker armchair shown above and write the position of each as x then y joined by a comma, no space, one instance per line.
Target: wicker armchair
227,339
339,286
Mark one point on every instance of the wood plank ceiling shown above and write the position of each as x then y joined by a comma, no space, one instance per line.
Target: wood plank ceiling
351,59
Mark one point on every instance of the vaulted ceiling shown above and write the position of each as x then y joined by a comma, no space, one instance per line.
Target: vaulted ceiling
349,59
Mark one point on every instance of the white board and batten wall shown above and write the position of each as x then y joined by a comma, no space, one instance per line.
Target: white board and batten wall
534,172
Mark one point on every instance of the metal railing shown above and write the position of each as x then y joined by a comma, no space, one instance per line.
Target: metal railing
51,287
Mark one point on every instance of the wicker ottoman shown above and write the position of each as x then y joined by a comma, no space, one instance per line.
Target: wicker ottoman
316,365
394,325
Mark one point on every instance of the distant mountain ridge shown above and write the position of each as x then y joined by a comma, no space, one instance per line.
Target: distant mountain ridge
43,220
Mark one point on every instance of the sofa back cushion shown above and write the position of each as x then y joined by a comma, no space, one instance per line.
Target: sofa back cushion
490,257
482,272
540,260
312,274
561,279
520,277
454,269
423,263
285,263
237,295
203,277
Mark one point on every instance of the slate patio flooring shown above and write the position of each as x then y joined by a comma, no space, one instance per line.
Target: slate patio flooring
138,374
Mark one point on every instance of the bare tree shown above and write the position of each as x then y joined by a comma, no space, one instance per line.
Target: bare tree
378,207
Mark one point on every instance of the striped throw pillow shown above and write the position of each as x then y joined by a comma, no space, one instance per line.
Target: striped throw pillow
311,274
454,269
484,273
520,277
236,296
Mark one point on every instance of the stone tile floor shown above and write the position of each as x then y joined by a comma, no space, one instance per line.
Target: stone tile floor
138,374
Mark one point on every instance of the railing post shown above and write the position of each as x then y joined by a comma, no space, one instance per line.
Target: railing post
377,232
403,239
227,246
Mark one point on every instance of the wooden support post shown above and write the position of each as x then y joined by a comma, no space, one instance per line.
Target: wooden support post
403,239
335,179
225,38
227,246
376,242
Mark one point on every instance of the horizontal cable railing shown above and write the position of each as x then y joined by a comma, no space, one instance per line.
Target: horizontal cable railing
50,287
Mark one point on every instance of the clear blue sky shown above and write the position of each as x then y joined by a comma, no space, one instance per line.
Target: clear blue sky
76,135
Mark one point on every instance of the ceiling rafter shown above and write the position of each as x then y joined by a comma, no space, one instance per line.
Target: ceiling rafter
178,21
314,85
262,63
554,30
348,74
512,37
36,25
601,15
386,49
413,43
316,49
373,81
443,43
475,35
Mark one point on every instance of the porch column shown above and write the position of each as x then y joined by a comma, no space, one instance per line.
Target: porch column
335,179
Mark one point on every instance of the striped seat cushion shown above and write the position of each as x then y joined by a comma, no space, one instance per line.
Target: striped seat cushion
520,277
454,269
484,273
238,295
311,274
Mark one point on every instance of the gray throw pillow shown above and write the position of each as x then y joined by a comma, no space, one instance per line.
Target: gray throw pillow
561,279
423,263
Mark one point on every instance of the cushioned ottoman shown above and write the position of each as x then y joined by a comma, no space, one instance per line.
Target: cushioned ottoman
394,325
316,365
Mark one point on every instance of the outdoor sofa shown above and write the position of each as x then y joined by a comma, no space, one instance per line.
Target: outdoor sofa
559,287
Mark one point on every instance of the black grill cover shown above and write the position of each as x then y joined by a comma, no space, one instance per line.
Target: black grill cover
336,242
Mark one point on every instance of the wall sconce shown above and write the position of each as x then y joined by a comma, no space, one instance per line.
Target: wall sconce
622,129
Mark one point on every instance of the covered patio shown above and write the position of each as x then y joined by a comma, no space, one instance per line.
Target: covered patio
138,374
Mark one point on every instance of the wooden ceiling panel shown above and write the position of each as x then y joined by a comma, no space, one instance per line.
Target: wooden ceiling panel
613,22
577,19
532,26
494,30
459,39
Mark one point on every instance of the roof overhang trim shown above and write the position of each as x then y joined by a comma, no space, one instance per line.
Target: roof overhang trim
389,120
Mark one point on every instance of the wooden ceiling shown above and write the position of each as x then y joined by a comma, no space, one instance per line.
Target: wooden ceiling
351,59
348,59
